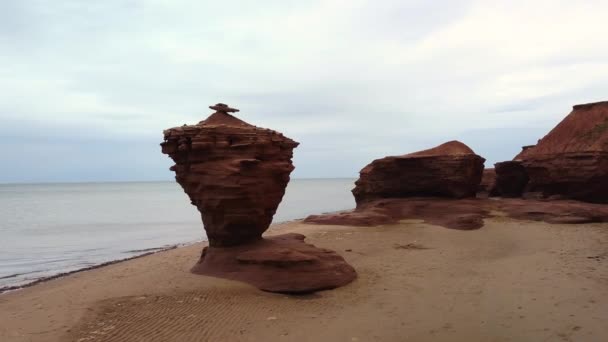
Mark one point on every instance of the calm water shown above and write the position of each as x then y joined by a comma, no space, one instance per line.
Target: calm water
47,229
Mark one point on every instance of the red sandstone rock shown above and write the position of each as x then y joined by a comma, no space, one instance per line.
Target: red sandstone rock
511,179
233,172
464,214
282,263
554,211
236,174
488,182
448,170
572,160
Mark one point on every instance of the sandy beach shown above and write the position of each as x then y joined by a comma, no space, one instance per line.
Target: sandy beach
509,281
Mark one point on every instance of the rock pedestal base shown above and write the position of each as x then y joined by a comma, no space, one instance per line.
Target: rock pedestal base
283,263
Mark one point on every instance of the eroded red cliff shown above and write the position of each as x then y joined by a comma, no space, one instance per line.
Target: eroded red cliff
572,160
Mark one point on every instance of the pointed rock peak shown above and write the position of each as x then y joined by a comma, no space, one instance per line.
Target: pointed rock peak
221,117
451,148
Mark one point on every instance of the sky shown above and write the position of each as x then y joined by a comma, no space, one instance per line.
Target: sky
87,87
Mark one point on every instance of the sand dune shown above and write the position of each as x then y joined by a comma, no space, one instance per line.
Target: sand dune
509,281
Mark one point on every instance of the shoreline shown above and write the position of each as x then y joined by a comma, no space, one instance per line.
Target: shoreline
11,288
7,289
510,280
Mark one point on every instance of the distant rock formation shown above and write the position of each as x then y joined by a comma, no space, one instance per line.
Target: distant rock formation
408,186
236,174
488,182
448,170
572,160
511,179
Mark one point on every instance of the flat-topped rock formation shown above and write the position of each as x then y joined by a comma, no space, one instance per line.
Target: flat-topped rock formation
448,170
236,174
572,160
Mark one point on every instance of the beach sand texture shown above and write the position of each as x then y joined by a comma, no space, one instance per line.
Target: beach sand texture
508,281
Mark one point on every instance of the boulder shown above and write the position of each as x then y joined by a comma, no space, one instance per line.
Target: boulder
283,263
572,160
448,170
511,179
236,174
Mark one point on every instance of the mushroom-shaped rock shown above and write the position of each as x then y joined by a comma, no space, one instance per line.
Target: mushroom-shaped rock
448,170
236,174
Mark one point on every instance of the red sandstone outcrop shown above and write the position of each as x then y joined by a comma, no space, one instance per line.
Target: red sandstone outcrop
283,263
488,182
511,179
233,172
572,160
448,170
464,214
236,174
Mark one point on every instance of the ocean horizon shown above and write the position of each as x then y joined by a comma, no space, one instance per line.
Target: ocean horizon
52,228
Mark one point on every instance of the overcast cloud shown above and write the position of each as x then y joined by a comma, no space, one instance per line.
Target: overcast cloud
86,87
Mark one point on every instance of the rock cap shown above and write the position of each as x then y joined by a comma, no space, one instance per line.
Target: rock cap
224,108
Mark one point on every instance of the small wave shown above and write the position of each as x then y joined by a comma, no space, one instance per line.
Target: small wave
145,250
12,276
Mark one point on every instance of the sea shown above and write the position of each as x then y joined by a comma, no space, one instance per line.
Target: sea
49,229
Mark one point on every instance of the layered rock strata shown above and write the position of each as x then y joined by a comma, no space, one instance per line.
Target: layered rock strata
448,170
572,160
236,174
461,214
464,214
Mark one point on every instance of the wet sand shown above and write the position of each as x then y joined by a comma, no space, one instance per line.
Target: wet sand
508,281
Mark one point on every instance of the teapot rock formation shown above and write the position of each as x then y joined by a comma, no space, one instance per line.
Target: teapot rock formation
448,170
236,174
572,160
233,172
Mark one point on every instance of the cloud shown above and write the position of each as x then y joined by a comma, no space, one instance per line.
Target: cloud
351,80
